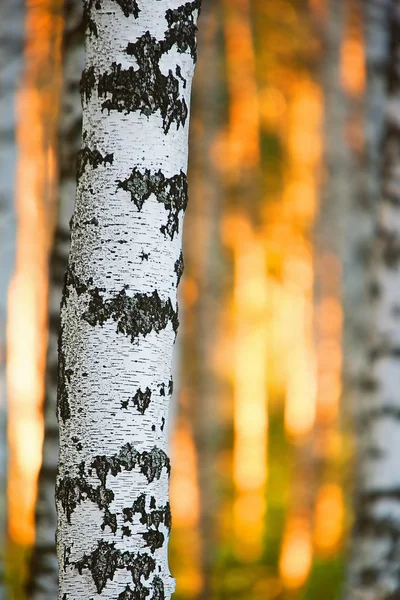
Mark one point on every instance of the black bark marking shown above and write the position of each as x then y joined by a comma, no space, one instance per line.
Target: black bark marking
142,400
390,247
128,7
154,539
146,89
141,594
182,28
88,82
105,560
64,377
158,589
172,192
178,268
94,158
387,411
150,463
368,384
126,532
71,491
152,519
137,315
144,255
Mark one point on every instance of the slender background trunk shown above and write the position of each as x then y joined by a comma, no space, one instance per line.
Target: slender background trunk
373,570
119,315
205,269
43,581
12,16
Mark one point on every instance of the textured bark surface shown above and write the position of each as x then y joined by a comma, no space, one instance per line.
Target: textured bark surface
12,14
43,579
374,567
119,312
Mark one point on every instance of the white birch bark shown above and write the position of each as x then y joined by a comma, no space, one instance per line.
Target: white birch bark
119,314
43,580
375,552
12,14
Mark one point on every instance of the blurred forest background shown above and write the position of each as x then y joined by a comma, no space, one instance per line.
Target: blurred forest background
261,443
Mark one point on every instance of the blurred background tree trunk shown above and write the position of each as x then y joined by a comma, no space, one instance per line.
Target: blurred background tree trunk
204,271
12,21
43,579
373,567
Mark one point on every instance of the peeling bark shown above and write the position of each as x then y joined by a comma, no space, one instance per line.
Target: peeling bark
43,576
118,314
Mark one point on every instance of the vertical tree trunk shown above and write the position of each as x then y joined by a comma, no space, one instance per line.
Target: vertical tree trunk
43,580
203,231
374,566
119,314
12,16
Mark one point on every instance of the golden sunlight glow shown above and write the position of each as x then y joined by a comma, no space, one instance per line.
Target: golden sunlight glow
329,515
242,145
352,70
300,198
184,498
296,554
250,391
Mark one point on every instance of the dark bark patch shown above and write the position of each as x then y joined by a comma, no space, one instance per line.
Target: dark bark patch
128,7
64,378
182,28
154,539
105,560
368,384
135,315
142,400
172,192
152,519
145,89
71,491
94,158
150,463
178,268
87,84
158,589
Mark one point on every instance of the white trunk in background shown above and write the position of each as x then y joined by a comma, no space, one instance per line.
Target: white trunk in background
12,14
43,579
119,314
374,571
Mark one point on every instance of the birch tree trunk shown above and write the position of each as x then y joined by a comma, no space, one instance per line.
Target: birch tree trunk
12,14
201,339
119,314
374,568
43,580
